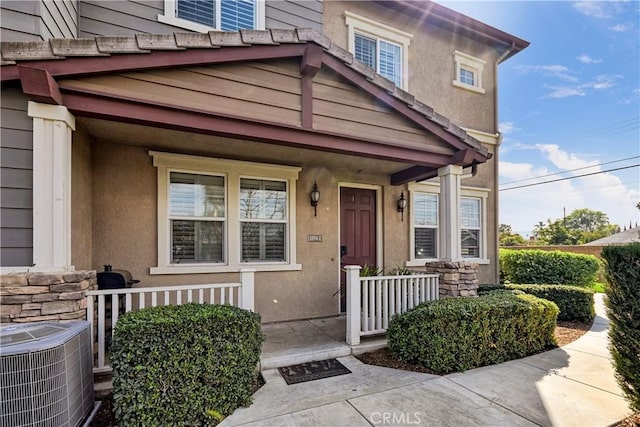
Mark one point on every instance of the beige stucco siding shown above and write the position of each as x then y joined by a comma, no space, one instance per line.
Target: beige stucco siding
124,187
431,62
81,201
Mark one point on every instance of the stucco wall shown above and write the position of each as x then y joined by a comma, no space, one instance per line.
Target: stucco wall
81,200
125,227
431,62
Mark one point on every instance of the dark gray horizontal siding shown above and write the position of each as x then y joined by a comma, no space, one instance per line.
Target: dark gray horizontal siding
122,18
128,17
38,19
12,257
19,25
294,13
16,180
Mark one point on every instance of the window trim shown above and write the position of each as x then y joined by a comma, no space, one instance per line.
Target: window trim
378,31
170,217
465,191
412,196
169,17
472,64
233,170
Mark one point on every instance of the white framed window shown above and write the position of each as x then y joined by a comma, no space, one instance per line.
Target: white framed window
218,215
468,72
381,47
210,15
424,198
425,225
197,221
470,227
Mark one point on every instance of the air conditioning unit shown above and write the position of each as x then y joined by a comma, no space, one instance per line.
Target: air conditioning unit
46,374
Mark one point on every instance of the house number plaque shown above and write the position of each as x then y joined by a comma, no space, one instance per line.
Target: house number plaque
314,238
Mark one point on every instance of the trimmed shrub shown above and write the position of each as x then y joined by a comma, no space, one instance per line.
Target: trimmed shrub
547,267
189,364
575,303
456,334
623,309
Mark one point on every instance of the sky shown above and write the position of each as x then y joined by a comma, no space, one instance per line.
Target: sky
569,105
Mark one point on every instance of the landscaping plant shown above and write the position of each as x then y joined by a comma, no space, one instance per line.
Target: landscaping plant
188,364
456,334
622,271
575,303
547,267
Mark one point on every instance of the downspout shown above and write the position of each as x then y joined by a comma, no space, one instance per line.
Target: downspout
496,157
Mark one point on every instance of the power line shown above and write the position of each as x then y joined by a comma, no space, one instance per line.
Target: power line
571,170
570,177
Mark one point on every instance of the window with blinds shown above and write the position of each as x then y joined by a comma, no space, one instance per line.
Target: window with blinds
425,225
382,56
470,227
225,15
263,217
197,218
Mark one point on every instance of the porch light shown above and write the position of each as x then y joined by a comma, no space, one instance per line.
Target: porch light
402,205
315,198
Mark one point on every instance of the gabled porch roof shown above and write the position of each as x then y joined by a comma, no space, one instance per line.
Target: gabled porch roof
44,68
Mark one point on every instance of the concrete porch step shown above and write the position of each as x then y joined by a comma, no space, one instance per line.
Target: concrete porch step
291,343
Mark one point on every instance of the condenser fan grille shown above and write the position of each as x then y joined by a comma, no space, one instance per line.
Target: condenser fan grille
49,380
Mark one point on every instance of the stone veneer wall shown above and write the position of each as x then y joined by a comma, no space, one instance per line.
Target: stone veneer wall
38,297
456,278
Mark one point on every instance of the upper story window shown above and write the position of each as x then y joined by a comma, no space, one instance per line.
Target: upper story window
208,15
217,215
381,47
468,72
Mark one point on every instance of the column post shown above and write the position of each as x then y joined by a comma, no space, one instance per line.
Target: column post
449,215
53,127
247,299
353,304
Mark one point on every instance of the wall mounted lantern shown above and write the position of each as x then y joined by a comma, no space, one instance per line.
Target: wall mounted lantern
315,198
402,205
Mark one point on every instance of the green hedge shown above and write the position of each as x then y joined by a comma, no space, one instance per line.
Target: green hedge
190,364
623,308
456,334
575,303
547,267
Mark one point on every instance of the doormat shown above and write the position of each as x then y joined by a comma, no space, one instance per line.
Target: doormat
311,371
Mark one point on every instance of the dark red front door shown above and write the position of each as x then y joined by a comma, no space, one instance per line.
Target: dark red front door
357,231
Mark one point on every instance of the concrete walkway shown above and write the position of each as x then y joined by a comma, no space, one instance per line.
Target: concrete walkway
568,386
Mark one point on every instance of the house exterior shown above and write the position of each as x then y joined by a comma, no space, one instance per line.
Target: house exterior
140,135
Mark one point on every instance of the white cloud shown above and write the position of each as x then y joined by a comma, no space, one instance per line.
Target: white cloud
595,9
586,59
634,96
603,81
565,92
507,127
559,71
619,28
524,207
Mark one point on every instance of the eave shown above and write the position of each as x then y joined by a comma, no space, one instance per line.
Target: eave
39,66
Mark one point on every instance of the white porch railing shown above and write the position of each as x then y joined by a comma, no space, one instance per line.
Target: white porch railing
102,317
373,300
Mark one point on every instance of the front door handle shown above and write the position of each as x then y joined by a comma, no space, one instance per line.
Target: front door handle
343,250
